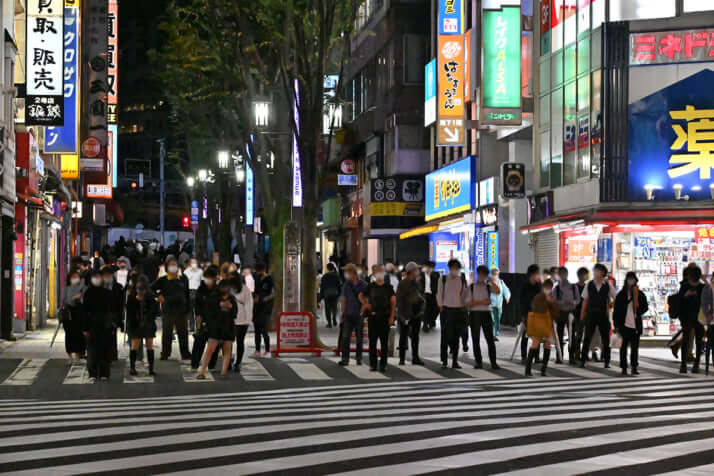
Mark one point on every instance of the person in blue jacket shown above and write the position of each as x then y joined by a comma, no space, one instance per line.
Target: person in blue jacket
497,300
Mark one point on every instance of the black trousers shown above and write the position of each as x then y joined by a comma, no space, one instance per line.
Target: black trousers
168,322
352,324
378,330
99,354
630,338
482,320
431,310
577,337
409,331
454,322
260,326
240,343
560,327
331,310
602,323
698,331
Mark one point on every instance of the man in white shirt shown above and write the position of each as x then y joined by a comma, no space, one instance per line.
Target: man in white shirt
480,316
194,274
248,278
597,297
453,297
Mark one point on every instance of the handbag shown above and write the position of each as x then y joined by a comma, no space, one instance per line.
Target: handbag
615,340
702,318
540,325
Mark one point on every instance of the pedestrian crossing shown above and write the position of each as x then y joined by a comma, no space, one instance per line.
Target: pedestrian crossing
308,370
551,425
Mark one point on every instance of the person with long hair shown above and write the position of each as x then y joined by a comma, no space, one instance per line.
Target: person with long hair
74,342
141,312
630,305
690,298
543,304
220,319
98,327
244,316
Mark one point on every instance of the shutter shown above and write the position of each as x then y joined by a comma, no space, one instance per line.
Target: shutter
547,249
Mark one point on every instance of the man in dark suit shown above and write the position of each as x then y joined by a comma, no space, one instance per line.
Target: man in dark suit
429,285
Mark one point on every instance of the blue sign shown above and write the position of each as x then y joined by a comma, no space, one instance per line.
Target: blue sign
451,17
348,180
451,189
430,80
480,249
63,139
249,185
670,151
604,250
442,247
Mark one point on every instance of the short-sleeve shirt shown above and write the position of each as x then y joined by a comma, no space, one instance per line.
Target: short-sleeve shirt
351,291
611,291
380,298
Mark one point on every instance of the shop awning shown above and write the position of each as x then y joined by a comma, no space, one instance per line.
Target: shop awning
420,230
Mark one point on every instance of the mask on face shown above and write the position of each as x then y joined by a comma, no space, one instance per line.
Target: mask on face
454,273
172,269
122,265
208,281
96,281
359,272
631,282
74,281
425,269
348,276
194,265
379,276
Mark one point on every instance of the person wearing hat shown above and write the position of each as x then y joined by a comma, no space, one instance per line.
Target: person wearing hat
429,286
630,305
453,297
352,314
172,293
410,308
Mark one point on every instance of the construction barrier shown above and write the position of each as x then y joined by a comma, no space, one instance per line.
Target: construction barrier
296,334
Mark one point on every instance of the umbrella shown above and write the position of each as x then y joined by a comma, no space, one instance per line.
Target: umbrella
59,323
520,331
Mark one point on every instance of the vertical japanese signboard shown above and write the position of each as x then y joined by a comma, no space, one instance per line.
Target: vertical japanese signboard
297,171
94,82
501,83
63,139
430,93
45,90
113,62
451,17
249,204
450,102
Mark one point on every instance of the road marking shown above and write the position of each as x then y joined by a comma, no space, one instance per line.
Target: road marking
142,371
308,371
251,369
77,375
420,372
361,371
190,375
25,373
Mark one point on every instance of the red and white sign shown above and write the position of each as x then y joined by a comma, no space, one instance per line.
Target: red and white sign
348,166
91,147
678,46
445,250
295,334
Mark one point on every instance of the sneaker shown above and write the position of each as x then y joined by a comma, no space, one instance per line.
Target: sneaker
133,372
466,348
495,367
255,354
695,369
624,372
92,380
634,371
342,363
478,365
455,365
373,369
266,355
236,368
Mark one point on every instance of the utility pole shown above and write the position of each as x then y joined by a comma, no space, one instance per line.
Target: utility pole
162,158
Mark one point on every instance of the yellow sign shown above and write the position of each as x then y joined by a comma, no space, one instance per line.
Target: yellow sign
699,138
70,166
71,3
396,209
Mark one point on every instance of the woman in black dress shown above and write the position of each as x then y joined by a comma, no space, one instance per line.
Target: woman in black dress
141,312
220,312
74,342
98,327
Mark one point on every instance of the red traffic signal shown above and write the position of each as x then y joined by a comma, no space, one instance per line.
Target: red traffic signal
186,222
133,185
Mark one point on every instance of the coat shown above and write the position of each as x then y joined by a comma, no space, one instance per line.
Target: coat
141,316
619,313
96,307
177,300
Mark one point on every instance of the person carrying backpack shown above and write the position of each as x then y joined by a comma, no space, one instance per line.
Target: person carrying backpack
567,297
380,303
453,297
480,316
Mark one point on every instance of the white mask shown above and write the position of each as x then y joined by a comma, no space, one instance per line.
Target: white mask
208,281
454,272
96,281
379,276
194,265
172,269
74,281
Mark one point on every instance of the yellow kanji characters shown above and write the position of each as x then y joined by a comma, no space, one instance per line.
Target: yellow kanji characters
699,138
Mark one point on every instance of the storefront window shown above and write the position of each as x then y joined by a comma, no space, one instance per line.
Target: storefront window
596,123
544,111
584,56
545,158
556,26
569,7
570,134
698,5
641,9
569,68
556,68
598,12
596,46
544,71
583,17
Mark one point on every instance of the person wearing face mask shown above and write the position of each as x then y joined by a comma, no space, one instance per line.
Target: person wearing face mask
480,316
410,309
544,306
194,274
497,300
352,319
74,342
173,295
248,278
263,309
630,305
330,287
577,325
429,287
452,298
98,327
690,298
531,288
207,288
141,310
597,296
566,294
244,316
116,306
379,303
122,273
221,310
391,277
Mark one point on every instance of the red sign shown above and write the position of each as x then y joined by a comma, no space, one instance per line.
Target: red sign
295,334
680,46
348,166
91,147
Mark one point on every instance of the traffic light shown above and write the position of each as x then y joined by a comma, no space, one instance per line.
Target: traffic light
133,185
186,222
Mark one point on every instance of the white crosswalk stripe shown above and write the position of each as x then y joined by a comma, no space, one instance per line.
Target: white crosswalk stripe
461,426
307,370
26,373
77,375
190,375
252,369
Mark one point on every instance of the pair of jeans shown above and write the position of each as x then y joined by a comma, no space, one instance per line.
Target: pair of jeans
378,330
168,322
453,325
349,325
496,313
602,323
240,343
482,320
331,310
409,331
630,338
